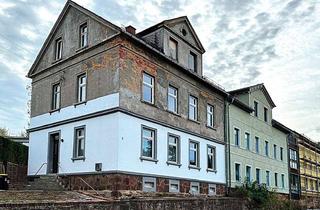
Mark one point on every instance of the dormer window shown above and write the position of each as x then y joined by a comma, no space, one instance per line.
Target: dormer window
255,108
83,35
173,48
58,49
265,114
192,62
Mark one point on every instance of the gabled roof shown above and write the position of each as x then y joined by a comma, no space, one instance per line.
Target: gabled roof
165,23
68,4
281,127
252,88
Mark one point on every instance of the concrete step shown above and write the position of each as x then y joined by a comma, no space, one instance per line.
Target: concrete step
47,182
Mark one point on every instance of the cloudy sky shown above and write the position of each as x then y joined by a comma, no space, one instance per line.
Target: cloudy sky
276,42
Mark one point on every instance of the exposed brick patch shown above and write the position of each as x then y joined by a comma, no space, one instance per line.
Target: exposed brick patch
184,186
162,185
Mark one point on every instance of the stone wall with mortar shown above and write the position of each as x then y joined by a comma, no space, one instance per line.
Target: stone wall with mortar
117,182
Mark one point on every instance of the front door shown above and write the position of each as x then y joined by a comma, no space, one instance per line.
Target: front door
53,153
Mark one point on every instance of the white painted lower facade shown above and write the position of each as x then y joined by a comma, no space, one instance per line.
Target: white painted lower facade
115,141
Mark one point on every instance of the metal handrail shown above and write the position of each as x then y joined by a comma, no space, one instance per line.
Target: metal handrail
40,168
88,185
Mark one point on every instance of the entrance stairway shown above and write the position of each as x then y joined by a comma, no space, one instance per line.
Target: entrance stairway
45,182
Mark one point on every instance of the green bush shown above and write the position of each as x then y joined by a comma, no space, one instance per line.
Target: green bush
259,197
14,152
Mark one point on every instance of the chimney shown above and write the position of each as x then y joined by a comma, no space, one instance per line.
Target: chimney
130,29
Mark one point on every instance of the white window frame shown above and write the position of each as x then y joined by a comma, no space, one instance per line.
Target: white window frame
213,156
197,186
77,140
212,189
153,139
177,146
148,86
174,183
197,151
83,35
293,158
174,97
149,180
82,88
56,96
193,102
58,47
276,183
210,115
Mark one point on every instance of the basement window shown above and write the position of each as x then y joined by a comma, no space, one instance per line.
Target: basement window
149,184
212,189
194,188
174,186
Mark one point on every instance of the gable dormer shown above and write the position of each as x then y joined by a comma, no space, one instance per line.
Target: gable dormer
258,98
177,39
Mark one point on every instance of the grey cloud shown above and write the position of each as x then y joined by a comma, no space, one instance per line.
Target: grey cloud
262,17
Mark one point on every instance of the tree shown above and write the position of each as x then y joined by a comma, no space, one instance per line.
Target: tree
4,132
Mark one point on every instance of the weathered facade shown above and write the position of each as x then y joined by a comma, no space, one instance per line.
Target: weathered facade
127,105
258,150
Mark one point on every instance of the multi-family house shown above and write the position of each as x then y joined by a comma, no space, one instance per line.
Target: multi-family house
118,110
258,150
293,160
309,158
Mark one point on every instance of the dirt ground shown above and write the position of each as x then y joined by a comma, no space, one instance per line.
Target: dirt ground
18,197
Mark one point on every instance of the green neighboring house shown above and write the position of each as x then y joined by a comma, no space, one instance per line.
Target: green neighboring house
258,151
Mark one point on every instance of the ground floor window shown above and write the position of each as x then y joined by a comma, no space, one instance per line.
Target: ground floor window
79,142
148,144
237,172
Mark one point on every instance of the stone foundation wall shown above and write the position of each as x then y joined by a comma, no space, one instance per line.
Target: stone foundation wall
116,182
16,173
141,204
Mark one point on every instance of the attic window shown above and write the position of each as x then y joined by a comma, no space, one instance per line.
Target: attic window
173,46
58,49
184,32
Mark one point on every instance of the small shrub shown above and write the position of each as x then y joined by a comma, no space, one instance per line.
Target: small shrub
259,197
